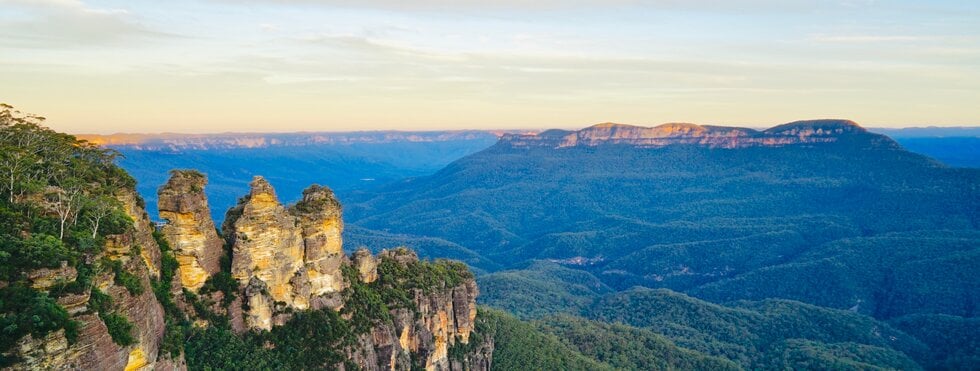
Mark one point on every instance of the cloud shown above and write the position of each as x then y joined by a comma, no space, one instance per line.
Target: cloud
859,39
64,23
550,5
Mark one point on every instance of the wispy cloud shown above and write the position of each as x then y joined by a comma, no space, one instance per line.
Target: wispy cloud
67,23
859,39
550,5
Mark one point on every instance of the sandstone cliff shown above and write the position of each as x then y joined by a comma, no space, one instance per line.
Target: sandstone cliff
134,255
189,227
800,132
434,320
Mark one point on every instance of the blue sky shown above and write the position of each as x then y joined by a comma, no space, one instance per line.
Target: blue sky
281,65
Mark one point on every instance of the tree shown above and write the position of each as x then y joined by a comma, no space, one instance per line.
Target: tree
66,202
98,208
22,143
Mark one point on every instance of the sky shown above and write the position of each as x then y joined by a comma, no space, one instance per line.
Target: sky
206,66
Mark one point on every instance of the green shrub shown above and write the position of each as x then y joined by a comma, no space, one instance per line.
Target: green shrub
120,329
28,311
123,277
224,282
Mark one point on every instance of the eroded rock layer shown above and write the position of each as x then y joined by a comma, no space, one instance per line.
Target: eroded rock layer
137,256
800,132
189,227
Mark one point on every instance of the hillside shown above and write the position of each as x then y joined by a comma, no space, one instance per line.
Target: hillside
719,204
821,212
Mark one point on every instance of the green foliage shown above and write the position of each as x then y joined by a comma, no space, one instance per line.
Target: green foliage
224,282
718,223
953,340
628,348
57,204
123,277
173,339
309,341
754,334
540,289
202,308
424,276
24,310
99,302
520,346
363,303
800,354
217,348
313,340
177,327
120,329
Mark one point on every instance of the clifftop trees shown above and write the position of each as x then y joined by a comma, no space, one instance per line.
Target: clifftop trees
73,179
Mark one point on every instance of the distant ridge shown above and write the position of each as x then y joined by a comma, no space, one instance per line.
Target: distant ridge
175,142
798,132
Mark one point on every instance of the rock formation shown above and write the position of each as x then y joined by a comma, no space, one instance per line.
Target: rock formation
800,132
267,254
437,319
189,228
366,265
318,217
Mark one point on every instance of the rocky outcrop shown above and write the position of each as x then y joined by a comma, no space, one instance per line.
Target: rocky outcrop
138,257
318,217
189,227
366,265
289,259
267,253
294,253
800,132
438,319
143,229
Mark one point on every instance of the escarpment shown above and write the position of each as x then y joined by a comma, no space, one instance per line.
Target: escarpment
117,321
189,227
799,132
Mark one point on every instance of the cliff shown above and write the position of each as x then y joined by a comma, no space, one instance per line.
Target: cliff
800,132
119,292
432,320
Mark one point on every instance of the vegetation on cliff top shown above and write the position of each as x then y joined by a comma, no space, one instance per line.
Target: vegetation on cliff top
57,205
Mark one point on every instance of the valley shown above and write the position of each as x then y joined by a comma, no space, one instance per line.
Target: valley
772,225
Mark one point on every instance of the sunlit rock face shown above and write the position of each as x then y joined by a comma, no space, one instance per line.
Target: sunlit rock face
189,227
296,251
267,247
289,258
438,319
800,132
318,217
138,254
366,265
143,229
